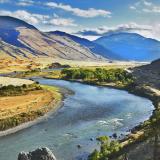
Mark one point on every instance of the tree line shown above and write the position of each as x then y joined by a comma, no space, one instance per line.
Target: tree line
98,74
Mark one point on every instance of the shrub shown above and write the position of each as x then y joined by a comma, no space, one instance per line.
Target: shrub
119,76
11,90
108,148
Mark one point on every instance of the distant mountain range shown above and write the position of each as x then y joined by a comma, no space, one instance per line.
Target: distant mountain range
131,46
92,46
19,39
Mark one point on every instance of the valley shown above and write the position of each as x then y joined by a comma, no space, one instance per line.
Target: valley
84,99
143,88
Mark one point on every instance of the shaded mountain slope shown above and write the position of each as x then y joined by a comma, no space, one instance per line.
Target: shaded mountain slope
93,47
148,74
24,39
131,46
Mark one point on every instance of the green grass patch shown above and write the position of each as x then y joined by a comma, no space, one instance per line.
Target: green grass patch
54,90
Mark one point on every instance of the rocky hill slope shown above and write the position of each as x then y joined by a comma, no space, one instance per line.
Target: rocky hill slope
148,75
19,39
93,47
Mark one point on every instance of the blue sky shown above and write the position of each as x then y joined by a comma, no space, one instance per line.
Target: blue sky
88,18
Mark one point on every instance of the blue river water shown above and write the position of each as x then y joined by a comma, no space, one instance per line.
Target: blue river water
89,113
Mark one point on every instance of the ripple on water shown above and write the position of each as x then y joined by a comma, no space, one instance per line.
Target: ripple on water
91,112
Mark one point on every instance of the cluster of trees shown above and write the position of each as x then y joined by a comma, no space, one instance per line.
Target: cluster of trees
98,74
12,90
108,147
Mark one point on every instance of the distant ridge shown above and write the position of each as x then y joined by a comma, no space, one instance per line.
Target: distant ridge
12,23
96,48
19,39
131,46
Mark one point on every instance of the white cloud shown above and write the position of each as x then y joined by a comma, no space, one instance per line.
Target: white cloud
91,12
119,28
25,3
154,9
26,16
146,6
132,7
147,3
38,19
62,22
149,31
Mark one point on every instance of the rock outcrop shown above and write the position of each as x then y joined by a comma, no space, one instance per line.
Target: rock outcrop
38,154
58,65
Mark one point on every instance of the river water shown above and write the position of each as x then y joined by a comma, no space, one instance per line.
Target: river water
91,112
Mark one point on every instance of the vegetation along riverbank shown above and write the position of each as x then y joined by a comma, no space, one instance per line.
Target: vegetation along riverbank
133,80
26,103
129,81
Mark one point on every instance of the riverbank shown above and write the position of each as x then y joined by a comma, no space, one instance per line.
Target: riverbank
41,103
138,133
80,120
143,130
31,123
119,79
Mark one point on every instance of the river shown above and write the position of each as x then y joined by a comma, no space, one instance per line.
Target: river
90,112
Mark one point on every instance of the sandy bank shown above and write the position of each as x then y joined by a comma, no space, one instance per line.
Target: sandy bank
5,81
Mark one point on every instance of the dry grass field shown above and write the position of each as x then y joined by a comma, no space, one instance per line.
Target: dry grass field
16,109
11,65
10,106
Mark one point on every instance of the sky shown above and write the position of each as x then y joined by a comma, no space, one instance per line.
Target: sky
88,18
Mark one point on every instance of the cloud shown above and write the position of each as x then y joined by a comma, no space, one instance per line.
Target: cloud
132,7
101,31
146,3
26,16
38,19
145,6
25,3
58,21
91,12
149,31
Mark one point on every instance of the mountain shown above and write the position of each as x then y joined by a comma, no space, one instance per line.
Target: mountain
131,46
19,39
93,47
148,74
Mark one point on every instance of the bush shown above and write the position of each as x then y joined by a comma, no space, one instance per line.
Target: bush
108,148
118,76
94,156
11,90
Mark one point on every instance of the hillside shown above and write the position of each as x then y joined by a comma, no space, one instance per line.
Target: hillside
131,46
93,47
148,74
19,39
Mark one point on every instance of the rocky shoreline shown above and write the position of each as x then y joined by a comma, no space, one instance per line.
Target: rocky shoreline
38,154
146,92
